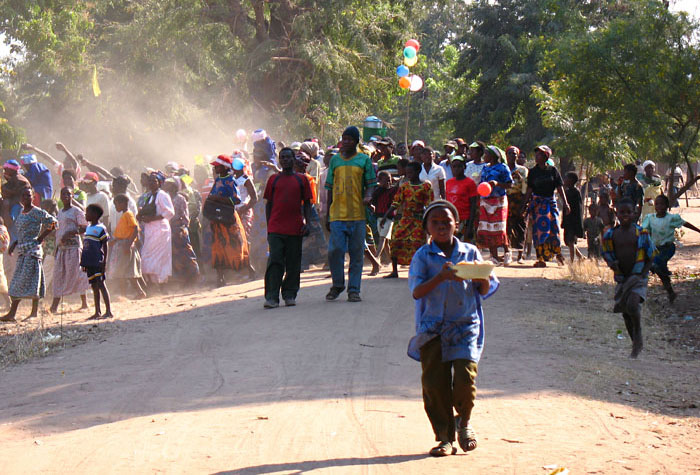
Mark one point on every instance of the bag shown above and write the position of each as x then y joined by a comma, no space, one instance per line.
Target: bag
219,212
149,209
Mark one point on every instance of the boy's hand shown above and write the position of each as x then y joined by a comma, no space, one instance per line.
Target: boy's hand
448,273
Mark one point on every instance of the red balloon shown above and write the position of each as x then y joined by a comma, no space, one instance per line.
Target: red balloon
404,82
484,189
413,43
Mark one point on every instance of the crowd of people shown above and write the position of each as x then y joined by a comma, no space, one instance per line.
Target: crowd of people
233,215
228,217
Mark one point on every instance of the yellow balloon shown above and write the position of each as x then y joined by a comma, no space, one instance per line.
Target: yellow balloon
410,62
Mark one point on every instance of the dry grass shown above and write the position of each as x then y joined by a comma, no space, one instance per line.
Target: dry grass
19,346
590,271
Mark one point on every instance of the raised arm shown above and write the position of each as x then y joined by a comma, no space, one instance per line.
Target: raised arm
102,172
41,154
71,158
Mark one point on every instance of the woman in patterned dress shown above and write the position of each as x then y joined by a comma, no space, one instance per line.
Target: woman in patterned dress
408,234
32,225
185,266
229,248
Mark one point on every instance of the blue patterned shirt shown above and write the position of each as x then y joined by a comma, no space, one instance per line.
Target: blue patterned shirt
645,250
452,311
498,172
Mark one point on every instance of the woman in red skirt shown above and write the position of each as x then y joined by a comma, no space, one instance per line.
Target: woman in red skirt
493,212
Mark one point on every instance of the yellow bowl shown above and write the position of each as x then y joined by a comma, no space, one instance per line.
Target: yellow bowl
473,270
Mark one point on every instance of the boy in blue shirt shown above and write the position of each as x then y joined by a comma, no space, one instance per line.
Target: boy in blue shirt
449,328
94,257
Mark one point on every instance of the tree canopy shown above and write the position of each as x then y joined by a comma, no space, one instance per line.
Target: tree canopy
602,80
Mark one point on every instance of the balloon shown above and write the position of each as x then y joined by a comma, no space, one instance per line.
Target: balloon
402,71
410,62
484,189
404,83
240,134
413,43
416,83
409,52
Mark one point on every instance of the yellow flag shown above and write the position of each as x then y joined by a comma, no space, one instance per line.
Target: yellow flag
95,85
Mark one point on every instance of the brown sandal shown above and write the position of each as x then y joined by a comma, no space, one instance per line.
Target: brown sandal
466,438
443,449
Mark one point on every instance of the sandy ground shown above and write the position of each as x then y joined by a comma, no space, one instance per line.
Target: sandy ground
210,382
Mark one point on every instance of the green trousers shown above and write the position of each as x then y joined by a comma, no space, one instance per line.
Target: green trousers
442,390
283,267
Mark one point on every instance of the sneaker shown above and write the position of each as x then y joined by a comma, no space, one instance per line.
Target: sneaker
507,259
354,297
334,293
290,302
271,304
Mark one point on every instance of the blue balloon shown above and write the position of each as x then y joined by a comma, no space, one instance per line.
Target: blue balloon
402,71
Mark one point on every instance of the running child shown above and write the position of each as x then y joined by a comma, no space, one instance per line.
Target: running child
94,258
593,226
572,222
449,329
629,251
662,227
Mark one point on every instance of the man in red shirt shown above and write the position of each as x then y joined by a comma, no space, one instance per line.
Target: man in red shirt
461,192
286,194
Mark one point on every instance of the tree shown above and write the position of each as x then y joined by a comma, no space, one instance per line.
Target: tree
639,76
502,54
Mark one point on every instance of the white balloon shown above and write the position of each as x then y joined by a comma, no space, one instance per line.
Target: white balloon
416,83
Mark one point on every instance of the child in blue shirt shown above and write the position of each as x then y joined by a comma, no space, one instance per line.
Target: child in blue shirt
94,257
449,328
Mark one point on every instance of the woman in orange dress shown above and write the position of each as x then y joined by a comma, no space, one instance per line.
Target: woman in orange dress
408,234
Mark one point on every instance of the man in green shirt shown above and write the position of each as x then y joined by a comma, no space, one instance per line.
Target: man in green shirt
387,160
350,182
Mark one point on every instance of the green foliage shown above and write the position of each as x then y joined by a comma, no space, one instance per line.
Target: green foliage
637,79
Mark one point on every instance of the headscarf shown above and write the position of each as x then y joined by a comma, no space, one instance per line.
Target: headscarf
310,148
11,165
647,163
160,176
515,149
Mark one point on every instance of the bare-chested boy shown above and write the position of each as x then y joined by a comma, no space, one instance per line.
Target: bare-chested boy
628,250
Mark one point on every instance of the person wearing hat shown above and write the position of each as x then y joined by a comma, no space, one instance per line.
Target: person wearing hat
416,150
542,181
461,147
39,176
461,192
445,160
475,163
229,248
449,328
12,189
94,196
350,182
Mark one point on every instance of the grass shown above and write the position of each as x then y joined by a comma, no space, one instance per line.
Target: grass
590,271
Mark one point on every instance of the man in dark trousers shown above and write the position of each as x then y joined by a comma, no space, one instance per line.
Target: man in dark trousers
286,194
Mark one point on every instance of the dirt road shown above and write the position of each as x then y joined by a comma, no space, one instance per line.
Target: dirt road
211,382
